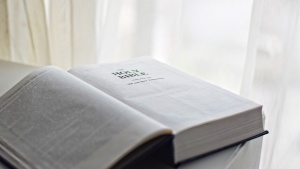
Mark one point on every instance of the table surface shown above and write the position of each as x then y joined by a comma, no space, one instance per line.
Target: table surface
243,156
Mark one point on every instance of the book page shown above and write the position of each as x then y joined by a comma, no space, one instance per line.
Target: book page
163,93
51,119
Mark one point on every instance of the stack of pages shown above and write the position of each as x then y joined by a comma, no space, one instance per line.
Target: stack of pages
114,115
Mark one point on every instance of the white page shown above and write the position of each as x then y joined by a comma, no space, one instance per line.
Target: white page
52,119
163,93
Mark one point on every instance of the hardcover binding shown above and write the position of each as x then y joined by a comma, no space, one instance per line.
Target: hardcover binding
220,149
144,151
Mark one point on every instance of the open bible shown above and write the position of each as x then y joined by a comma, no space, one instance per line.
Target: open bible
113,115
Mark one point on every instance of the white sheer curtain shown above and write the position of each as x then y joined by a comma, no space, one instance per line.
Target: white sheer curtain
209,39
272,78
73,32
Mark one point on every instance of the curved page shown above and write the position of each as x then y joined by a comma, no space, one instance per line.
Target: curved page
163,93
52,119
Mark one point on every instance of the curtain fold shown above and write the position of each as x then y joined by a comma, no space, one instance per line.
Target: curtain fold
60,32
65,33
4,35
68,33
272,78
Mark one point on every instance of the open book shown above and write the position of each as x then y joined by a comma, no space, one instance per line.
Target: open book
112,115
